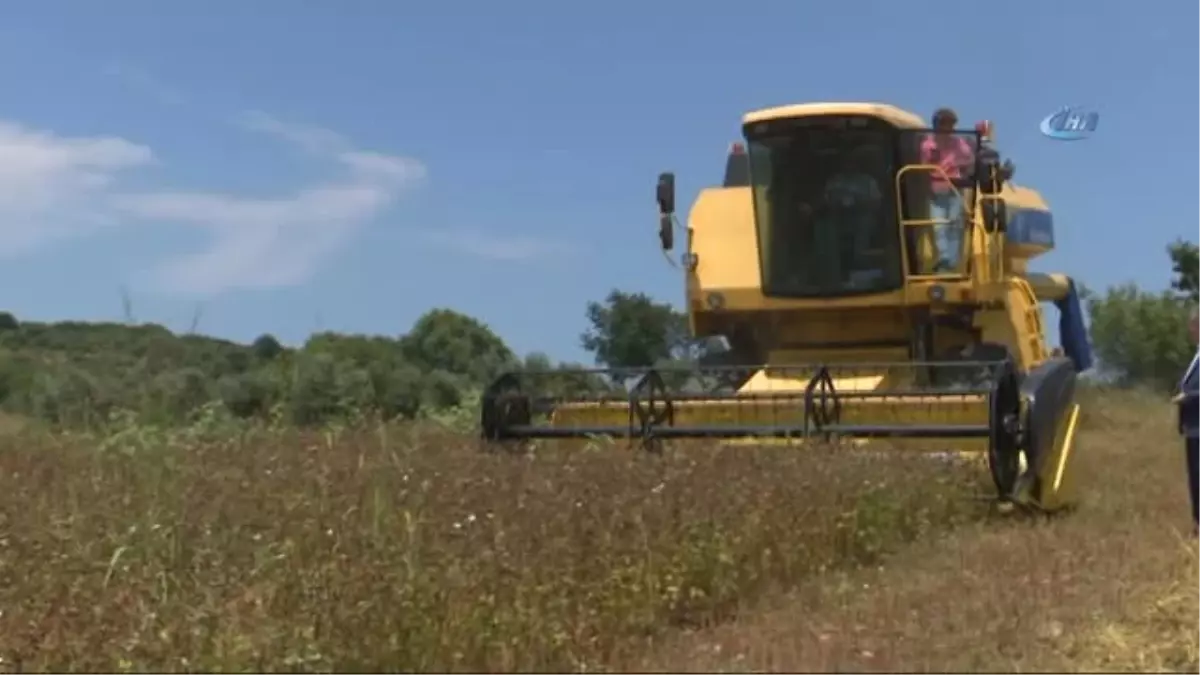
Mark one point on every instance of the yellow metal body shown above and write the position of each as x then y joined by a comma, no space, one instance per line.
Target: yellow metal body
724,294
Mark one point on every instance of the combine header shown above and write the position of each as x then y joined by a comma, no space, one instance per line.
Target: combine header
845,284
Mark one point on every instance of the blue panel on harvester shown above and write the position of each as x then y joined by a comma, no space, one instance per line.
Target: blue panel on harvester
1071,330
1030,226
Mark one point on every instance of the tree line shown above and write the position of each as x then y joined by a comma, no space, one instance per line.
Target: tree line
1140,336
79,373
76,373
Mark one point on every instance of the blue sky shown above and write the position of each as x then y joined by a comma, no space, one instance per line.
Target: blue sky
288,167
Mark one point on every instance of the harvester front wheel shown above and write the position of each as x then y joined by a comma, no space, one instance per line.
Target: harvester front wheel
504,405
1004,447
1050,417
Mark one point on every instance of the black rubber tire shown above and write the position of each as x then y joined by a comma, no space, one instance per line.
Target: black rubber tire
1004,447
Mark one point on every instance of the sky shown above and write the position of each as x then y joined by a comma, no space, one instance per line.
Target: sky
286,167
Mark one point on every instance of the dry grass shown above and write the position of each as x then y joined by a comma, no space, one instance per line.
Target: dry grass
384,552
1111,587
394,549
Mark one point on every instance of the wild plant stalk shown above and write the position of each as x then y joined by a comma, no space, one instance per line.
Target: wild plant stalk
232,547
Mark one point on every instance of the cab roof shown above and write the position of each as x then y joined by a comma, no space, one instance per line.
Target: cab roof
897,117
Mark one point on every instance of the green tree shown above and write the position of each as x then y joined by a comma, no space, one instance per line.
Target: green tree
569,380
443,390
174,394
1185,264
572,379
266,347
18,372
361,350
248,394
629,330
537,362
8,322
324,388
1140,337
456,344
68,396
398,389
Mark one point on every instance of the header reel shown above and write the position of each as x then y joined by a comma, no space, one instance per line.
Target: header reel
960,406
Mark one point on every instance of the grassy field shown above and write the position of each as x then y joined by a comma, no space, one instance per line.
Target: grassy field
404,548
1111,587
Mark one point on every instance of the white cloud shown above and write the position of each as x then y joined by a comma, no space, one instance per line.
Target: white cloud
482,244
49,184
314,139
258,243
471,241
275,241
53,187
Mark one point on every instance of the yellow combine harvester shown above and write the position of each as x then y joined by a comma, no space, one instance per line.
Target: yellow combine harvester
820,262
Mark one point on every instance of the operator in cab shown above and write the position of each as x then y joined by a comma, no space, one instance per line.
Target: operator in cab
955,156
839,223
854,199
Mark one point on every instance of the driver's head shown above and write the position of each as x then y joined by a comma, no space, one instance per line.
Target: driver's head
944,120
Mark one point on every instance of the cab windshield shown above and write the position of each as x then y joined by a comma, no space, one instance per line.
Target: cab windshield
824,206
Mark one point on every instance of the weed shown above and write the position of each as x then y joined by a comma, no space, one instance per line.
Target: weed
224,547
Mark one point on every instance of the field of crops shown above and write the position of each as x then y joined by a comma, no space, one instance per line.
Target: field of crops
403,547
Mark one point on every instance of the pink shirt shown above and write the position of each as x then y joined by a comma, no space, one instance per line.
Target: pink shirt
950,153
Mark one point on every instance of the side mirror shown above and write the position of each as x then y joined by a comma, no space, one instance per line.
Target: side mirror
991,174
995,215
665,193
991,180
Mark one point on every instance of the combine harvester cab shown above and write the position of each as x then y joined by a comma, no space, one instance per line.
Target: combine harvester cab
841,290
